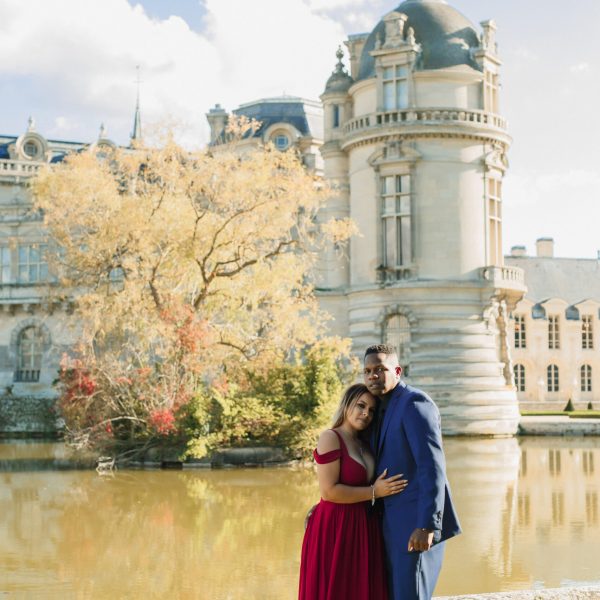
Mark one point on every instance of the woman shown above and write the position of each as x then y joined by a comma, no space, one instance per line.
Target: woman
342,552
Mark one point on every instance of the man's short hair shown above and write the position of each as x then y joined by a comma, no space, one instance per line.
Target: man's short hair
380,349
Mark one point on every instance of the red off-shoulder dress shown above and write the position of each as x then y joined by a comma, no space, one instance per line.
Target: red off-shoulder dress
343,554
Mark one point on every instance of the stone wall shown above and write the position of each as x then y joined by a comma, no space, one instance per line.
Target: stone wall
27,415
582,593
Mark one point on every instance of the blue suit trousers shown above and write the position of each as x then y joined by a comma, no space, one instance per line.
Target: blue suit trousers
412,575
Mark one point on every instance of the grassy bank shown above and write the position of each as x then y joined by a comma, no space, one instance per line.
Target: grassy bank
574,414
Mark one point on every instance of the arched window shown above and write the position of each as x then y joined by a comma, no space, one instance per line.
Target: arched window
30,344
397,333
520,377
586,378
552,372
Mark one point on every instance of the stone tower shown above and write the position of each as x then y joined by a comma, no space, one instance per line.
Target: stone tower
416,148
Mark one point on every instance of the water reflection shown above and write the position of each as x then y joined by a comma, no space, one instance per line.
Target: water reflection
236,534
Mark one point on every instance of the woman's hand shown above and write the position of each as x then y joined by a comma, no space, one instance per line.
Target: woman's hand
390,486
311,510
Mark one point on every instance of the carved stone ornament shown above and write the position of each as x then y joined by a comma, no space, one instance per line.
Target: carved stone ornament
394,151
394,29
496,158
488,37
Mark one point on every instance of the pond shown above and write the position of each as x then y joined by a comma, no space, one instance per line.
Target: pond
529,508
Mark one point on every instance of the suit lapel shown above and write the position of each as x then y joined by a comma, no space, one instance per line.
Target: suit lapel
392,408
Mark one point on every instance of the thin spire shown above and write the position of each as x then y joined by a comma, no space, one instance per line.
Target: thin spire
136,135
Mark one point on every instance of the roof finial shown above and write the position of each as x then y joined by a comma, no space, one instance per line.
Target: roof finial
31,124
340,65
102,134
136,134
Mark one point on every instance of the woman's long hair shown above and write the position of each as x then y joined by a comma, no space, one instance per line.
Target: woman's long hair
351,395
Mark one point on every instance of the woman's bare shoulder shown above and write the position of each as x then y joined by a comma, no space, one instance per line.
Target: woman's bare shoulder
328,441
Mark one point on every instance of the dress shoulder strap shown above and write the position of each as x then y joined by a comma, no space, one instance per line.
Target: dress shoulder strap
343,446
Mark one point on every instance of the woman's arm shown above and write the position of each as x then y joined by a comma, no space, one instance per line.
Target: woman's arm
334,491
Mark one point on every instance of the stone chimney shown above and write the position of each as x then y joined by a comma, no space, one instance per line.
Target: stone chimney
545,247
217,119
518,251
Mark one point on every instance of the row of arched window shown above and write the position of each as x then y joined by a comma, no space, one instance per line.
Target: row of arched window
553,378
30,349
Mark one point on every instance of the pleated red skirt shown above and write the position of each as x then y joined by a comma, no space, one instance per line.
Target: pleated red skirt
342,553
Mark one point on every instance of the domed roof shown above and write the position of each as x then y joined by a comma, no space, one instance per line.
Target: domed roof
339,80
446,36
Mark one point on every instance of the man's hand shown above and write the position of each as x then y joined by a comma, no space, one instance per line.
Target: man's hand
420,540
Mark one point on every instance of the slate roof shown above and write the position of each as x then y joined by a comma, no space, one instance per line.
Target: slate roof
570,279
59,148
305,115
5,142
446,37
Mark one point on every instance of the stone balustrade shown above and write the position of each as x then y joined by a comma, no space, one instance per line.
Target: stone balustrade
19,168
497,274
426,116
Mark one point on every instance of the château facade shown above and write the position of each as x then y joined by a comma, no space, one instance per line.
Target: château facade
413,142
416,146
554,330
34,330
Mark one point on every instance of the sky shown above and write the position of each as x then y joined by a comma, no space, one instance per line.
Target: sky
71,64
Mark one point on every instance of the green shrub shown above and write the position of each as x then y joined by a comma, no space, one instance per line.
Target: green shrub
569,407
286,405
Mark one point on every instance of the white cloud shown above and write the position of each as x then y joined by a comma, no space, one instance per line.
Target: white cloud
62,127
81,55
333,4
573,178
562,205
583,67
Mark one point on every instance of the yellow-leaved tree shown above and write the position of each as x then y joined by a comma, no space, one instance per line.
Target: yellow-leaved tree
188,270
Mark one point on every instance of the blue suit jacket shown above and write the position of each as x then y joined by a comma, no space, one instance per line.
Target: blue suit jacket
410,442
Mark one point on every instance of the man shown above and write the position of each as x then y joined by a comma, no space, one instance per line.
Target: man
407,439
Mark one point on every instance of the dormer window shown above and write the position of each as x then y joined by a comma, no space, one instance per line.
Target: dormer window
31,149
395,87
281,141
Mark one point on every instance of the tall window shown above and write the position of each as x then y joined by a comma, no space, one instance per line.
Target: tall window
553,333
397,333
397,251
587,333
520,333
520,378
32,263
29,354
495,220
552,381
336,115
491,92
586,378
4,264
395,87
